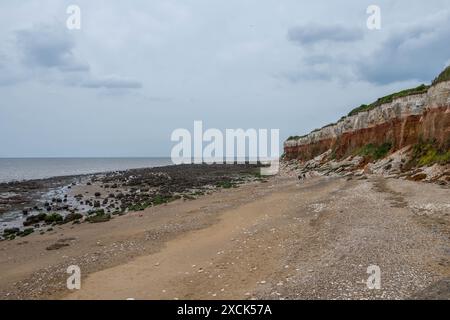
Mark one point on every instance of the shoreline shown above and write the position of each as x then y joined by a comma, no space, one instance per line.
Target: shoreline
114,192
63,176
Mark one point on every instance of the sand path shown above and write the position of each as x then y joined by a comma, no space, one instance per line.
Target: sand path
283,239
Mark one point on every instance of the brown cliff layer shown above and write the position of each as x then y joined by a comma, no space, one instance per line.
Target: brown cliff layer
433,124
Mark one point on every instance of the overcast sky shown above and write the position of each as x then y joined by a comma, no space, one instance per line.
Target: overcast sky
139,69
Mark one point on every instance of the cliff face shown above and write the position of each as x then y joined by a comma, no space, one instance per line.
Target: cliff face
402,122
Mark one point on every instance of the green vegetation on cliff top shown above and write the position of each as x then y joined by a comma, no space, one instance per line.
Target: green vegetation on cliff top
444,76
387,99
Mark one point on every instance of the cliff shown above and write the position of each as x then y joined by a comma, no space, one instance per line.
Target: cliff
404,121
417,118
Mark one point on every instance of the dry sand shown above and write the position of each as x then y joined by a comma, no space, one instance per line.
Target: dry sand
284,239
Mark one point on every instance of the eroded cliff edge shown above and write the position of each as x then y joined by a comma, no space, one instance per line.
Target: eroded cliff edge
412,127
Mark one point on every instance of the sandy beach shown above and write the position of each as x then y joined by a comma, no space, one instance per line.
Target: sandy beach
275,239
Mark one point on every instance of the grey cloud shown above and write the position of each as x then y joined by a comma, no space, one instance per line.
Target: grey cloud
322,67
416,53
48,48
112,82
11,71
311,34
412,52
320,72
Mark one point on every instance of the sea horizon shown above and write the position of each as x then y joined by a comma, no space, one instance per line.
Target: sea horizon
20,169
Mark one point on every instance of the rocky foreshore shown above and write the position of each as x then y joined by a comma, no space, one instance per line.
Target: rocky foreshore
38,205
398,165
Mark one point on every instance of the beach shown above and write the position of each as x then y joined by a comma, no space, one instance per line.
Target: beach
274,238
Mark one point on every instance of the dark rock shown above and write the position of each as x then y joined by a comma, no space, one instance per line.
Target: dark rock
10,231
418,177
26,232
53,218
32,220
99,217
72,217
57,246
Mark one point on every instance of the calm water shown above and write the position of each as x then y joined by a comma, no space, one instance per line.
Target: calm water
38,168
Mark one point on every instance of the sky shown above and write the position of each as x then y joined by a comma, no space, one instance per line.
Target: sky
137,70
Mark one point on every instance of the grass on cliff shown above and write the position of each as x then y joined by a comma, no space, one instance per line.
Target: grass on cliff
375,152
427,154
444,76
387,99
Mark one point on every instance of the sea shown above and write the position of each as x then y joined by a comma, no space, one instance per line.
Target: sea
19,169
